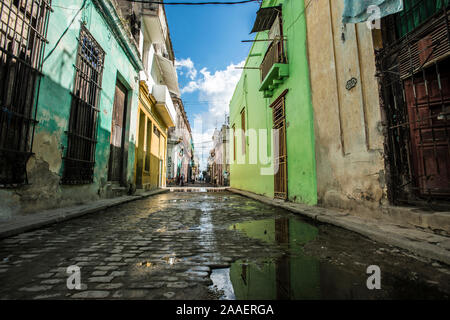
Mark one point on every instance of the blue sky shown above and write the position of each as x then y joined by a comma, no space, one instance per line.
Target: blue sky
207,45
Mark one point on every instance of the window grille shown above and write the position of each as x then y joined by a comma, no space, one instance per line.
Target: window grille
23,31
79,161
415,91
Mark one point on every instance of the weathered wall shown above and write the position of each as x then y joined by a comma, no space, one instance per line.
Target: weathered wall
45,168
348,131
158,145
299,116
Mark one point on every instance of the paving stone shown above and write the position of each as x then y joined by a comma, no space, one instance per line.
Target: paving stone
48,296
101,279
106,268
99,273
151,285
130,294
52,281
169,295
113,259
91,295
201,268
36,288
178,285
109,286
28,256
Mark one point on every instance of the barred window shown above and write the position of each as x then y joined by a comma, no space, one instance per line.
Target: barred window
79,161
23,31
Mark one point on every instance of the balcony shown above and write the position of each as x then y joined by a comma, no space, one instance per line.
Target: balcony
274,68
164,105
155,22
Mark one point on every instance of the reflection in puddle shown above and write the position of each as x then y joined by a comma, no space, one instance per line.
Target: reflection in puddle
221,281
296,276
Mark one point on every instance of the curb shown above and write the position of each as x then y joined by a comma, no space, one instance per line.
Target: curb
64,214
327,216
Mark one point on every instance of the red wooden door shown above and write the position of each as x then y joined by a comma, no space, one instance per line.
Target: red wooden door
428,101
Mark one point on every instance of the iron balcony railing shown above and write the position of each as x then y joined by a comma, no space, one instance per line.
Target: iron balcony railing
275,54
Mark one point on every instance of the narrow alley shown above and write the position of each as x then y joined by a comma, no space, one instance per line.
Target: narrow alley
224,151
171,245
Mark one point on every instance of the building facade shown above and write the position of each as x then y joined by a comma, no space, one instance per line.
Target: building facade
159,81
347,115
367,127
72,138
380,107
272,151
180,147
220,162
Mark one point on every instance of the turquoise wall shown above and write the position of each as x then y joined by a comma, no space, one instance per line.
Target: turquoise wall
302,184
57,84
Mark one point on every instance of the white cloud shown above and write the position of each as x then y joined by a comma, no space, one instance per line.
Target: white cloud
215,92
187,64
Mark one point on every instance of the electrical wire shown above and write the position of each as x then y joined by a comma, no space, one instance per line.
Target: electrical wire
195,3
65,31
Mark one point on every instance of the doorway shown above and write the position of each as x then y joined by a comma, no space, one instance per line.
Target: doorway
140,151
116,157
427,97
280,160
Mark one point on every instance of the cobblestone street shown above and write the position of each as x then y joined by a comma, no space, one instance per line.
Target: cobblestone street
166,246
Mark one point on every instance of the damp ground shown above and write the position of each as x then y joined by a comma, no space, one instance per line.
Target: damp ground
208,246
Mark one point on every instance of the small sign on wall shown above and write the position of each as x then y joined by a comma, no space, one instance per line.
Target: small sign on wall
351,83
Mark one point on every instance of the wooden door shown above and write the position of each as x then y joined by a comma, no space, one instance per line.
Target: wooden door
140,150
280,161
428,101
117,134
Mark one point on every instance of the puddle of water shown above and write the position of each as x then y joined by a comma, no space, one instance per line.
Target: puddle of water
221,280
296,276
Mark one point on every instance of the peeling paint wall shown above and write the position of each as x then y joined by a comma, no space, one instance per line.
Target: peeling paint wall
347,120
45,167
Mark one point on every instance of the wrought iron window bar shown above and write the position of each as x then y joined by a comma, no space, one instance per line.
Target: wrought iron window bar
79,161
23,32
418,58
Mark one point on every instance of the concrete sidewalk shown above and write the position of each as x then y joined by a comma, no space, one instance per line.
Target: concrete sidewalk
32,221
425,244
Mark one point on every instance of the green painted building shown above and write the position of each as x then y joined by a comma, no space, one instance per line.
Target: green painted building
274,93
81,145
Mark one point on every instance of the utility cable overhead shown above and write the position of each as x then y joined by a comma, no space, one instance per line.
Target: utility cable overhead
195,3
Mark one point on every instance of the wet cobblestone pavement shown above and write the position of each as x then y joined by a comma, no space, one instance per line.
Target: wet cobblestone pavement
166,246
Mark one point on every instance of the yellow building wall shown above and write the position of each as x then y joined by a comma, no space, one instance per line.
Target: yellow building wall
348,130
150,147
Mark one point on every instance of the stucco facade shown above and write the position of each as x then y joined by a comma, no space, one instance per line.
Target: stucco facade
180,147
345,99
45,168
151,145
